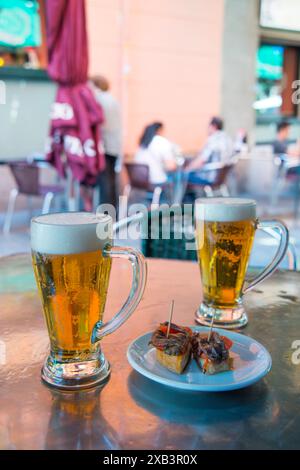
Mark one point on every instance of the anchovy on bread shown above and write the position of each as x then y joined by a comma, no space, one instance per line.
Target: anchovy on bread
172,351
212,355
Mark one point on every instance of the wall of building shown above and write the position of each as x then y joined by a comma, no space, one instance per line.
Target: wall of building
164,61
240,41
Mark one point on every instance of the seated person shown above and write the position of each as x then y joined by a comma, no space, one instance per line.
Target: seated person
281,145
218,148
157,152
241,142
287,154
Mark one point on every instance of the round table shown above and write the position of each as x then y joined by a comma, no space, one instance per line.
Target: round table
131,412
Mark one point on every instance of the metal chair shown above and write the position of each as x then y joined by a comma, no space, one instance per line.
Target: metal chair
216,175
138,175
285,170
26,176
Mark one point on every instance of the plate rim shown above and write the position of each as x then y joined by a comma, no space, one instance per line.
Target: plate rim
200,387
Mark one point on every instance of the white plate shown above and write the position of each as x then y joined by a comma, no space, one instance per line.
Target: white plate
251,362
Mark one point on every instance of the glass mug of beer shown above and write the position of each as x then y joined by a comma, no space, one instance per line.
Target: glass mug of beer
225,229
72,255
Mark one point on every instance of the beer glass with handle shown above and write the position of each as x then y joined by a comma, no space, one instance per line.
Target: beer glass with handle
72,255
225,229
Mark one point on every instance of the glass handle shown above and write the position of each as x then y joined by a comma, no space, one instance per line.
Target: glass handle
139,268
269,227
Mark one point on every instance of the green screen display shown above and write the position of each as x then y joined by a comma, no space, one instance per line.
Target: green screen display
269,63
19,23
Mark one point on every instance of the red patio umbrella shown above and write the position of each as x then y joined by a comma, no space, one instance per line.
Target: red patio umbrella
74,139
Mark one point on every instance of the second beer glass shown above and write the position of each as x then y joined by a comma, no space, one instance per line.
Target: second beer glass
225,229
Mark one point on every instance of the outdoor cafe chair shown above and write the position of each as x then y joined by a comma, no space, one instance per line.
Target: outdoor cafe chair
215,177
27,179
138,175
285,171
180,244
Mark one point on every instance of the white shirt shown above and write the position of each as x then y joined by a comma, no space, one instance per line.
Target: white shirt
111,128
218,148
155,155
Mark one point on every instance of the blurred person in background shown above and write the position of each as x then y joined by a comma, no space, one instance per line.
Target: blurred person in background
112,139
240,145
218,148
281,143
157,152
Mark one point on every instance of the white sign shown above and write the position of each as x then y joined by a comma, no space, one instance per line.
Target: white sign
280,14
2,92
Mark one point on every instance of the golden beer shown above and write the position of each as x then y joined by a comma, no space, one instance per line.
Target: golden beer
225,229
73,289
223,259
72,255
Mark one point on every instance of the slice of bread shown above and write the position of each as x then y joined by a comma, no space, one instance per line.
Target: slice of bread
174,363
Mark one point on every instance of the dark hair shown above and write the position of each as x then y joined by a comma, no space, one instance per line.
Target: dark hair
217,122
100,82
282,125
148,134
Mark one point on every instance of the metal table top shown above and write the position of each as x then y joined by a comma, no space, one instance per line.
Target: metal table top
131,412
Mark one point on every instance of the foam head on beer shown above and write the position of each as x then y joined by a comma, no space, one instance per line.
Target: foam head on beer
70,233
225,209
